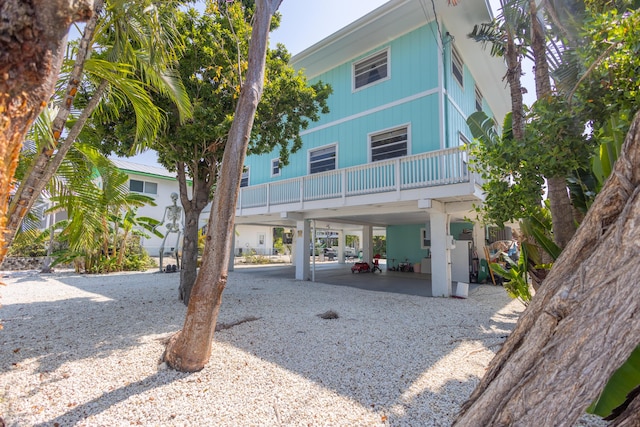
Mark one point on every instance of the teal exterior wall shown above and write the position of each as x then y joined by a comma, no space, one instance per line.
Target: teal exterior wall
410,96
413,73
403,241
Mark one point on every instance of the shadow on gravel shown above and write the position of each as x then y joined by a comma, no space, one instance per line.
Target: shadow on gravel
395,353
114,397
108,319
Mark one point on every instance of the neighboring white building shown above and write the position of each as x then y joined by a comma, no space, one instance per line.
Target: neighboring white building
157,182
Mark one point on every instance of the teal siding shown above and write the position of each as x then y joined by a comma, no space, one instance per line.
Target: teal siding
413,61
409,97
352,139
403,241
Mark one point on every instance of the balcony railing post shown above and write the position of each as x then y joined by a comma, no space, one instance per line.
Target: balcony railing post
398,176
343,184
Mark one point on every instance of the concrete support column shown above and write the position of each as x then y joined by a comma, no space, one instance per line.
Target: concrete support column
341,245
440,254
367,243
302,252
479,239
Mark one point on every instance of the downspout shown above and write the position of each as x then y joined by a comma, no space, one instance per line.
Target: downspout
313,253
442,82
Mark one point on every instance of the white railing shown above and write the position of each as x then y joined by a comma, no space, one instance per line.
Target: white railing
442,167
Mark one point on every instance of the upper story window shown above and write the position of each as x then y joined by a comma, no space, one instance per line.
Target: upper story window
389,144
322,159
457,66
479,99
143,186
244,181
371,69
275,167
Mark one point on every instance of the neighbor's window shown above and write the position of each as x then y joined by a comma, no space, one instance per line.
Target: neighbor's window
322,159
457,66
275,167
389,144
371,69
478,99
143,186
244,181
425,240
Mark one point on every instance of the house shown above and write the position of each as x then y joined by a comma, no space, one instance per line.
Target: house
158,183
388,155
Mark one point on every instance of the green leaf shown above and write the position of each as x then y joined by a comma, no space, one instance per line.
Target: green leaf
621,383
546,243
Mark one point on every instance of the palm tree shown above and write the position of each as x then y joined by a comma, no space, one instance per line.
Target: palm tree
135,45
97,200
130,224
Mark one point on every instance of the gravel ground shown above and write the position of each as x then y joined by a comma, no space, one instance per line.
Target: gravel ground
84,350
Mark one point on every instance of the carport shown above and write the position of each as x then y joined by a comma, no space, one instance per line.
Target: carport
340,274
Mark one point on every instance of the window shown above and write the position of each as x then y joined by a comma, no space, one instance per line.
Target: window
371,69
322,159
457,66
244,181
389,144
275,167
151,188
425,238
137,186
143,186
479,99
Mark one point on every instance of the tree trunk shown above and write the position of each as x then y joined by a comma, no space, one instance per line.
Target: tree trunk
514,72
189,350
34,37
200,191
189,254
36,177
563,223
562,220
581,325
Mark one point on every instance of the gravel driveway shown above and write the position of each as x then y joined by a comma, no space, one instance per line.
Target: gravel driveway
84,350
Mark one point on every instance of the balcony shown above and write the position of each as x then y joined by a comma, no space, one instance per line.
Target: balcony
432,169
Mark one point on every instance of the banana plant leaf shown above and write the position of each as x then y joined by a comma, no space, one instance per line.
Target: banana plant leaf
615,394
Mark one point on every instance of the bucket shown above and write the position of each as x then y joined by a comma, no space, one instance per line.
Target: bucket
462,290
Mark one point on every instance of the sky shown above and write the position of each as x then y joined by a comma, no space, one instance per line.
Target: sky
303,24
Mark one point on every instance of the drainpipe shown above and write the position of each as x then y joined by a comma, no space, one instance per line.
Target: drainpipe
313,253
442,81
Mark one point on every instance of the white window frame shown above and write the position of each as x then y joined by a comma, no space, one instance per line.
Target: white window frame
324,147
144,187
425,241
457,62
479,99
273,168
354,87
245,176
391,129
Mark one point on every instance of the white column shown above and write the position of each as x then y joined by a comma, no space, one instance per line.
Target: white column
302,252
440,254
367,243
341,245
